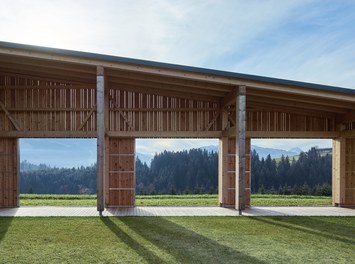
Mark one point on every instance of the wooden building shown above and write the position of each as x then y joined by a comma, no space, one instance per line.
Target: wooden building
53,93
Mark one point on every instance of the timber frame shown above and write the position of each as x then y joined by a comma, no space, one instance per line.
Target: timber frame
54,93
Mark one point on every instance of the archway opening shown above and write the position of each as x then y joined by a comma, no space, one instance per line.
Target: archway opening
177,172
286,172
52,169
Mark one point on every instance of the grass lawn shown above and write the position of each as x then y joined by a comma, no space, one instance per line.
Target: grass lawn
178,240
289,200
171,200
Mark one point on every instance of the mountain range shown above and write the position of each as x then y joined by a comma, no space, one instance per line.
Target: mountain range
82,152
262,152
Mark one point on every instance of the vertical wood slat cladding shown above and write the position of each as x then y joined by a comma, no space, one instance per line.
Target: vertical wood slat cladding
343,182
349,183
9,169
132,111
46,106
227,161
121,185
278,121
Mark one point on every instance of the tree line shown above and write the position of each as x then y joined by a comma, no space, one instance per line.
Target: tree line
194,171
309,174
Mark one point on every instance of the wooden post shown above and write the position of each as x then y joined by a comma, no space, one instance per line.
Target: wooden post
343,181
240,149
222,171
17,146
100,92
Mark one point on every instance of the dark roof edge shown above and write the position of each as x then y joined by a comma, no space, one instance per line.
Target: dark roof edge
227,74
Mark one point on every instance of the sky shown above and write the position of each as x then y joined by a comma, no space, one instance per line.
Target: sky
303,40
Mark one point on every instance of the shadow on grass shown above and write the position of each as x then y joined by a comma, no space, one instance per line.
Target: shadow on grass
134,245
184,244
5,223
314,226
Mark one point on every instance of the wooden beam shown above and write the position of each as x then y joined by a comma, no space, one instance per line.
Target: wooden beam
240,149
100,116
348,134
287,103
130,126
40,87
13,121
292,134
282,96
162,92
260,107
47,109
47,134
87,118
128,109
48,64
230,98
214,119
46,78
348,117
43,75
115,74
214,90
43,70
165,134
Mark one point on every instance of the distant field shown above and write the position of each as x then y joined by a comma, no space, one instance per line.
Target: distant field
174,200
257,240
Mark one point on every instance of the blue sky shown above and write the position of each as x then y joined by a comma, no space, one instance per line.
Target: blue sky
311,41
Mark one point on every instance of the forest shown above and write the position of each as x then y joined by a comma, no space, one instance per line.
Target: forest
193,171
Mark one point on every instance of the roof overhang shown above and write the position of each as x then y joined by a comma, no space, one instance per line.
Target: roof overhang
79,68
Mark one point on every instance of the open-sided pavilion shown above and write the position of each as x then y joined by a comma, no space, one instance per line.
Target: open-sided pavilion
54,93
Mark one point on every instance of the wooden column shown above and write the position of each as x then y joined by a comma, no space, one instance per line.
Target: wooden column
343,180
226,172
122,171
101,127
9,172
240,149
247,171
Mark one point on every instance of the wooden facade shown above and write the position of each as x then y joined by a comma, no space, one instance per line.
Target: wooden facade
50,93
9,172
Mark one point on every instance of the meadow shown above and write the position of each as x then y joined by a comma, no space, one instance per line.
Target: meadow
175,200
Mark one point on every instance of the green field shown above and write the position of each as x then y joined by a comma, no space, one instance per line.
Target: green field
174,200
178,240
